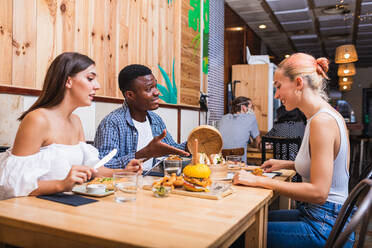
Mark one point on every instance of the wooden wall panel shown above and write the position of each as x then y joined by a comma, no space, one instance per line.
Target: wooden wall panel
111,86
190,60
6,34
46,38
254,84
67,12
98,39
83,20
123,39
114,33
24,43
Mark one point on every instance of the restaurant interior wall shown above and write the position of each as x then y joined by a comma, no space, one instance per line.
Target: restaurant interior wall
235,44
12,106
216,60
114,33
362,79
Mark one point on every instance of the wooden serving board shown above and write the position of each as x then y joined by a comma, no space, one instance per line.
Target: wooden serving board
204,195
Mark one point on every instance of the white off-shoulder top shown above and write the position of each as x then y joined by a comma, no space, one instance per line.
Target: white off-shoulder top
19,175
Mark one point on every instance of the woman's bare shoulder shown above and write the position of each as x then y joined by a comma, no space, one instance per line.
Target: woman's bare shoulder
32,133
38,118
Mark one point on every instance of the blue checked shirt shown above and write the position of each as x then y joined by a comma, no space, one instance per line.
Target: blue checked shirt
117,130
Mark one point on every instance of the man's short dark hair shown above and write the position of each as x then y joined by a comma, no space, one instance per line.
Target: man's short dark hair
129,73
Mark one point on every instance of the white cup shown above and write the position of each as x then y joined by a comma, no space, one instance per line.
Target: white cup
96,188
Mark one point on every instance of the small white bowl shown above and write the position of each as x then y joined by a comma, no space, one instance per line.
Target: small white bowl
96,188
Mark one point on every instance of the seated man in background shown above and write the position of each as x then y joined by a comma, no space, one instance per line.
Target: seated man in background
134,130
238,127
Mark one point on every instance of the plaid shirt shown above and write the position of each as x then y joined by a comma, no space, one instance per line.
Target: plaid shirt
117,130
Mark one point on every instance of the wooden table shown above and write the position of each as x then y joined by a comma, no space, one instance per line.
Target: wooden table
175,221
287,175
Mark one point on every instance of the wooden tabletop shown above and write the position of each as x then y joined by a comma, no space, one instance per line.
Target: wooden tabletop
175,221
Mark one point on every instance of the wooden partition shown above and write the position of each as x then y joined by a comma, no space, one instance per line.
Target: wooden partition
254,83
114,33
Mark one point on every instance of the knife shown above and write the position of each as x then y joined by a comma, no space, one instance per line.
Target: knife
105,159
155,165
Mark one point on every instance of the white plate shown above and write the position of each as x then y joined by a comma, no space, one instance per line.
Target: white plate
81,190
230,175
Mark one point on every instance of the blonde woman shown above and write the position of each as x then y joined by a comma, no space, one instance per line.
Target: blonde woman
322,160
49,154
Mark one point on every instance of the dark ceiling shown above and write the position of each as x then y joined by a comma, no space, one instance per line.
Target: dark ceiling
312,26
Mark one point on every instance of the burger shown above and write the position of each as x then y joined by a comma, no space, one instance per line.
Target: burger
196,178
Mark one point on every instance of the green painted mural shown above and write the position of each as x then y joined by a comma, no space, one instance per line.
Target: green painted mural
169,93
194,23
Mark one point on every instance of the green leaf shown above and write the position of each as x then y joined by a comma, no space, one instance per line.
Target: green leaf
166,79
174,79
163,90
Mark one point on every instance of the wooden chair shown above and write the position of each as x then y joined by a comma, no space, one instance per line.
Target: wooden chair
361,193
283,148
235,151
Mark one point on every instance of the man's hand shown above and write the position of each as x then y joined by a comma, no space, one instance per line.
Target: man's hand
156,148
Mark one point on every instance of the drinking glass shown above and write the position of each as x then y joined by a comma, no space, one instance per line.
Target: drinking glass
126,186
233,161
172,166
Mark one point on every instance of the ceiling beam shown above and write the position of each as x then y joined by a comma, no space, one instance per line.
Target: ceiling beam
276,22
358,6
311,5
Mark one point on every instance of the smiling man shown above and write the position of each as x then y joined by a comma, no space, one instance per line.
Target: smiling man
133,129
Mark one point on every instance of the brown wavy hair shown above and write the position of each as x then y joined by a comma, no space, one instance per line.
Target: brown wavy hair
63,66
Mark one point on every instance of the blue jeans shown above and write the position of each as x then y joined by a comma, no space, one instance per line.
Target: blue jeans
307,226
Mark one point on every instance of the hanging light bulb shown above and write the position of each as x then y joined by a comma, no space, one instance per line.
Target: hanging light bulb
346,69
345,86
344,80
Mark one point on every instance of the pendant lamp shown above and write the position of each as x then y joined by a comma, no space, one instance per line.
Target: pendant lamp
346,70
345,86
346,54
344,80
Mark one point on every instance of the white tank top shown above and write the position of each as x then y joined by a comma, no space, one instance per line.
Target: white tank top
340,178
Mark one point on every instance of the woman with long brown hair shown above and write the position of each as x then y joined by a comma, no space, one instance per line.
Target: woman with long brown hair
49,154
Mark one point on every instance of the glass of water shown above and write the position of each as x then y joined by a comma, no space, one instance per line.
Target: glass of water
126,186
233,161
172,166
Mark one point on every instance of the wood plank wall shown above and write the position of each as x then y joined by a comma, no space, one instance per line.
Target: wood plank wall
114,33
190,64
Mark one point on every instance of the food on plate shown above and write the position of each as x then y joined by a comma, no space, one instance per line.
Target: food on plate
258,172
174,157
172,181
196,178
217,159
203,158
107,181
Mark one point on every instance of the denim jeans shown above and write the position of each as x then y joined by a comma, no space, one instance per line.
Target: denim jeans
307,226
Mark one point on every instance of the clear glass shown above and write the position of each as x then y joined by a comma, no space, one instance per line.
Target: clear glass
233,161
125,186
218,171
172,166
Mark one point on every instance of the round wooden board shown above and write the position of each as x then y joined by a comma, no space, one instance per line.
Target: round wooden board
209,139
